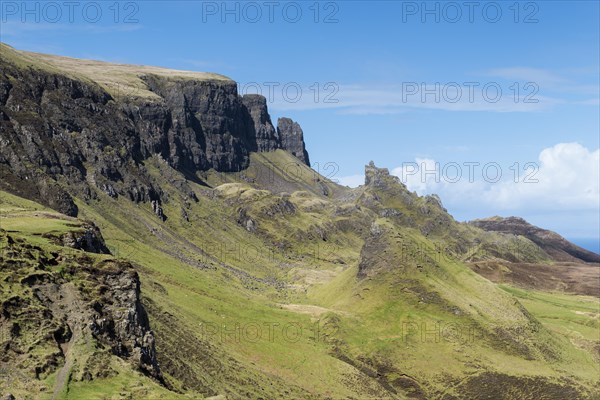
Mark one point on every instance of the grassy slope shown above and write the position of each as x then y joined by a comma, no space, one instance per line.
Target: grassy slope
218,296
120,80
25,222
389,321
210,286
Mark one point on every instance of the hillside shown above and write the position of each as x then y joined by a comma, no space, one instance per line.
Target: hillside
178,245
558,247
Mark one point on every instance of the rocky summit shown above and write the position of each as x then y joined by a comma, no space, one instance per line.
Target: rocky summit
162,238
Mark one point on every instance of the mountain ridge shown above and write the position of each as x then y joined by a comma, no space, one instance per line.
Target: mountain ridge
230,268
560,248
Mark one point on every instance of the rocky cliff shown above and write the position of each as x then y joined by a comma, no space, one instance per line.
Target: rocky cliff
59,302
292,139
66,134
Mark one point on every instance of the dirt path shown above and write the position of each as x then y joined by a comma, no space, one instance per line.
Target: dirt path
63,374
311,310
70,305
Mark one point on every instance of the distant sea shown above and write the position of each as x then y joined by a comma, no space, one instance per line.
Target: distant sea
588,244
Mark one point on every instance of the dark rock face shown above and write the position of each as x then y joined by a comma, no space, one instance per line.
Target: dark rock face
88,239
204,125
157,209
552,243
292,139
124,324
266,137
244,220
62,138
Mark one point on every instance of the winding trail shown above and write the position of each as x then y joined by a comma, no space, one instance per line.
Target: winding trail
72,307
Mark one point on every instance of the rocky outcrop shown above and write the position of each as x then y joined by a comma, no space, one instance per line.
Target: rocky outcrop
552,243
70,300
63,137
376,177
372,254
380,178
288,136
380,184
292,139
265,135
122,323
87,238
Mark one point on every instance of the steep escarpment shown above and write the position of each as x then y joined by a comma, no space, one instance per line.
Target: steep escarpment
64,135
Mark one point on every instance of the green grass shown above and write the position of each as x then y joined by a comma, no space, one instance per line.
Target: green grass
577,317
198,289
127,384
35,223
120,80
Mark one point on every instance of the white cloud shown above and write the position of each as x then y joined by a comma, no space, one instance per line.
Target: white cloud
527,74
420,176
568,176
512,89
562,195
565,176
590,102
397,98
574,81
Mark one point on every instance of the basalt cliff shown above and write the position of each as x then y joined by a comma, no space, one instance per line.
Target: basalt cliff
70,135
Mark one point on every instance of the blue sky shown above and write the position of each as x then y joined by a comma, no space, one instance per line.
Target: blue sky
372,62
